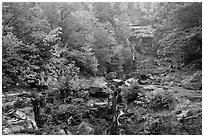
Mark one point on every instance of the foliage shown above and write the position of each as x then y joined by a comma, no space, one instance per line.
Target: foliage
180,33
37,62
162,125
160,101
11,60
55,51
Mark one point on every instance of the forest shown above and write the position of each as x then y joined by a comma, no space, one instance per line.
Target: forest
101,68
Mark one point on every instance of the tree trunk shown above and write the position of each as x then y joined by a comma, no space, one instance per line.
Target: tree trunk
134,60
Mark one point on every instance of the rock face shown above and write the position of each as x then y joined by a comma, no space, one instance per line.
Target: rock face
193,82
17,116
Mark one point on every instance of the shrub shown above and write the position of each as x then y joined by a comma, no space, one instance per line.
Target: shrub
160,101
164,124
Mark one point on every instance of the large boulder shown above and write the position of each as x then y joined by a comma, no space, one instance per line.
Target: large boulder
110,76
98,92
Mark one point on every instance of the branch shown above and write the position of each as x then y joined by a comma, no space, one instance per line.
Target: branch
11,20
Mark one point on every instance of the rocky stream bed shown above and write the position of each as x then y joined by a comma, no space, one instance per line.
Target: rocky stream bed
170,104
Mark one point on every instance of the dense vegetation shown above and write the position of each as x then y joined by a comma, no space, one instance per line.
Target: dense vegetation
62,49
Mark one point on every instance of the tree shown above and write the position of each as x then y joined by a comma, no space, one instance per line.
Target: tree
179,31
31,49
78,26
11,60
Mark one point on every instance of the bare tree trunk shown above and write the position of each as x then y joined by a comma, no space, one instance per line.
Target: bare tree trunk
134,60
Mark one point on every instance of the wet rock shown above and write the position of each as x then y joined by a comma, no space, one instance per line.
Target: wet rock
97,102
100,104
98,92
131,81
117,82
15,121
85,129
26,111
7,106
110,76
16,128
21,115
6,131
61,132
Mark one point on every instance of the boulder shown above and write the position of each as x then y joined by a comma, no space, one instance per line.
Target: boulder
6,131
85,129
8,106
131,81
16,128
62,132
98,92
110,76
